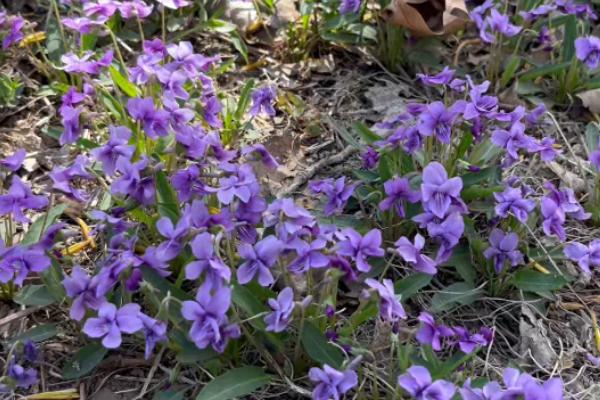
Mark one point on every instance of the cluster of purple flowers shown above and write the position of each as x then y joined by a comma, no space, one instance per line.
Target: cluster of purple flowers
11,29
21,370
437,335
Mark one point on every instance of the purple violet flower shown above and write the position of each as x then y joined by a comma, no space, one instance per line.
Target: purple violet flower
279,319
258,260
207,261
70,121
390,308
131,182
411,253
174,4
431,333
468,342
15,33
263,100
15,161
370,158
111,322
117,146
20,198
437,120
512,201
175,236
135,9
81,290
331,384
337,193
442,78
490,391
83,65
309,255
584,256
62,178
417,382
359,248
262,152
587,50
155,331
398,191
503,247
438,192
23,377
154,121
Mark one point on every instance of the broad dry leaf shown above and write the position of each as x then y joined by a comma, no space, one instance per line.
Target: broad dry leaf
591,100
428,17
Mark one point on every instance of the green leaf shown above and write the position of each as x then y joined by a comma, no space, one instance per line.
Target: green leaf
365,133
569,38
123,83
36,230
84,361
546,70
239,44
318,347
460,292
34,295
88,42
248,301
37,334
461,261
244,100
592,135
168,395
167,204
187,352
514,62
537,282
237,382
411,285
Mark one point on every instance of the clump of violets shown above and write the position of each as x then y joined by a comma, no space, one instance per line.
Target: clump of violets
337,192
436,335
418,384
390,308
398,191
19,199
503,247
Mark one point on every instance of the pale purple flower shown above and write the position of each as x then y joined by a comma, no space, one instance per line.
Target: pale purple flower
503,247
23,377
538,12
337,193
587,50
20,198
390,308
18,262
81,25
584,256
512,201
102,8
481,105
349,6
331,384
552,389
62,178
258,260
237,185
490,391
442,78
14,161
70,121
84,64
263,100
417,382
432,334
497,23
208,313
262,152
438,192
411,253
15,33
132,183
117,146
468,342
279,319
437,120
155,331
174,4
207,261
81,290
175,236
359,248
398,191
135,9
111,322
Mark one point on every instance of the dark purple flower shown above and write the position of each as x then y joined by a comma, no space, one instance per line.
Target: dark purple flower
279,319
512,201
587,50
81,290
398,191
442,78
155,331
437,120
359,248
263,100
207,262
331,384
390,307
30,351
287,217
503,247
438,192
175,236
111,322
468,342
15,33
431,333
23,377
258,260
20,198
62,178
370,158
208,313
70,121
117,146
83,64
337,193
154,121
411,253
584,256
417,382
15,161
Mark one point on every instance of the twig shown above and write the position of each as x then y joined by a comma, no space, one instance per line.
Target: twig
304,176
151,374
18,315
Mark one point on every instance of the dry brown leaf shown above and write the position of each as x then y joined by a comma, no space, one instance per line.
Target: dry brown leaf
590,100
428,17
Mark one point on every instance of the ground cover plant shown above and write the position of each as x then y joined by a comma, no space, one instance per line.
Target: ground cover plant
142,240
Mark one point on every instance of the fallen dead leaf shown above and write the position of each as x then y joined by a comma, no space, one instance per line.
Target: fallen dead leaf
534,338
428,17
590,100
570,179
